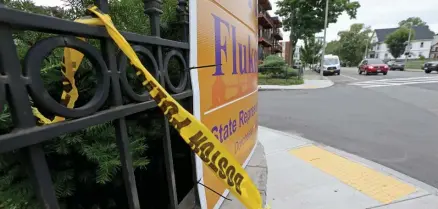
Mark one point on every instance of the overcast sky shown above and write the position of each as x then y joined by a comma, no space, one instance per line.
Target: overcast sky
383,14
374,13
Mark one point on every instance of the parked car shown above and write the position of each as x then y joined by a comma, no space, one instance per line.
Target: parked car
396,65
430,66
373,66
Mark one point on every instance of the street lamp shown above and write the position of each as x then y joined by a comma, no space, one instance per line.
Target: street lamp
321,70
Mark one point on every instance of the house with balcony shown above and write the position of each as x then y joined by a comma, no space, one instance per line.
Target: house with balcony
265,28
277,36
420,45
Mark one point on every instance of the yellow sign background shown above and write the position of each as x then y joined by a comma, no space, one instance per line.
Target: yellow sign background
227,93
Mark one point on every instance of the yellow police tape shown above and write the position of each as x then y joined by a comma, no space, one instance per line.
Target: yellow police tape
194,133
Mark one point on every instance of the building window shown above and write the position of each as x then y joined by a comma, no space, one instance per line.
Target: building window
422,45
436,49
377,56
378,47
420,54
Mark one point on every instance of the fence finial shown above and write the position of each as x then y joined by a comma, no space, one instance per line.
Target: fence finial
182,11
153,7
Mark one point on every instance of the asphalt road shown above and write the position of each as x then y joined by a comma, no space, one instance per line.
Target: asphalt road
392,121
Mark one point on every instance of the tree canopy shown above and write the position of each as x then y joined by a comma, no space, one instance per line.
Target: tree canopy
304,18
415,21
353,43
332,47
397,41
309,53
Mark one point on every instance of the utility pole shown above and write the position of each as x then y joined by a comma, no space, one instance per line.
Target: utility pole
325,38
408,45
366,49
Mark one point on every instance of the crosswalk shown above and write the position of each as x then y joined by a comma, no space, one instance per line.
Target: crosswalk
396,82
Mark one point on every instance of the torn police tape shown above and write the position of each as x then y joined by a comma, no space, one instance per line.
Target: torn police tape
200,139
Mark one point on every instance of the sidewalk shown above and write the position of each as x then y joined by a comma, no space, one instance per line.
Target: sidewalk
303,174
311,81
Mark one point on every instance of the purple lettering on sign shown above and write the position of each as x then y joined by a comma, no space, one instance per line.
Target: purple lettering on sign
233,35
242,59
218,46
251,54
246,53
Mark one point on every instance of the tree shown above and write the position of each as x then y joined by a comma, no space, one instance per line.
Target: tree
415,21
304,18
397,40
352,43
332,47
309,53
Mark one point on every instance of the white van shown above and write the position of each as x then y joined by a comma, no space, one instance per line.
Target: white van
331,65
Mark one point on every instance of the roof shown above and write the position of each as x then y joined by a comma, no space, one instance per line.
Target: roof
421,33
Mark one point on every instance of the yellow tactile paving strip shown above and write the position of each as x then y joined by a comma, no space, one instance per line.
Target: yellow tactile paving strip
376,185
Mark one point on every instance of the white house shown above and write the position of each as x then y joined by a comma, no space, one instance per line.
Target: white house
420,45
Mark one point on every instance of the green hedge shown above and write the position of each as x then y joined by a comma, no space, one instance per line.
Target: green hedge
275,67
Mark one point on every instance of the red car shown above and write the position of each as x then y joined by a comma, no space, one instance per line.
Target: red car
376,66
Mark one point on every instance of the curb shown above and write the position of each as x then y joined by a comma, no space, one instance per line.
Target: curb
285,88
257,170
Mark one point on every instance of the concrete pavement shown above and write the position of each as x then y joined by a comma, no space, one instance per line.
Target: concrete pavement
303,174
257,170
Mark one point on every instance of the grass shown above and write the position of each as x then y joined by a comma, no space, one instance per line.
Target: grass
265,80
416,64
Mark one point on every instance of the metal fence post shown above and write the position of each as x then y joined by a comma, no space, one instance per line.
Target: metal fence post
109,53
23,118
153,10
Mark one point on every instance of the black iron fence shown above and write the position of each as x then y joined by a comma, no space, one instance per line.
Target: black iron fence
22,87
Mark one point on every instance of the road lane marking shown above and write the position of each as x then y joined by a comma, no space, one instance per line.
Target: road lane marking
396,82
379,186
353,78
400,84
